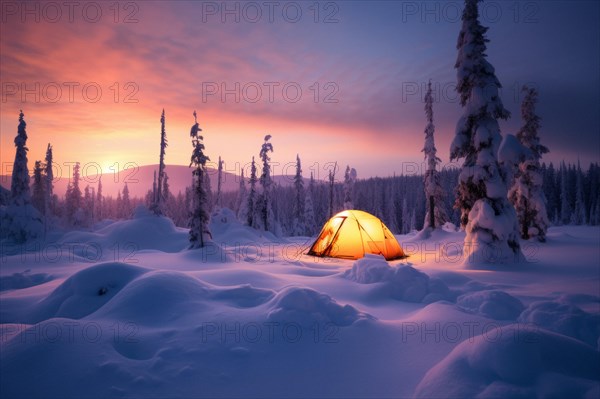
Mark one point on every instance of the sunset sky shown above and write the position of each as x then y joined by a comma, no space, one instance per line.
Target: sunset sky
372,58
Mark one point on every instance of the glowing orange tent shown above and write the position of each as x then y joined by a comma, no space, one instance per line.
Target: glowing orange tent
351,234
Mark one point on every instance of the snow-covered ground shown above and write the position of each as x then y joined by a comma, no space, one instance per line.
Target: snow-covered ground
126,310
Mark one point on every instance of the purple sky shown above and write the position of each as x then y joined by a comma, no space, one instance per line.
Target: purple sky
372,59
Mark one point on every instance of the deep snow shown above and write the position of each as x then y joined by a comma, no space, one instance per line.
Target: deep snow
125,310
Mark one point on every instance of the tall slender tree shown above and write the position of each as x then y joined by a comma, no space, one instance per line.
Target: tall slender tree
19,186
218,201
242,200
49,183
199,232
20,221
526,193
252,196
489,219
157,207
166,194
435,195
298,212
38,195
266,210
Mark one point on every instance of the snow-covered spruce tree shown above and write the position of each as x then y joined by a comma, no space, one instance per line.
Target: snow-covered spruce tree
218,200
19,186
252,196
199,232
265,208
48,183
309,210
435,215
349,179
242,200
298,225
38,195
526,193
20,220
489,219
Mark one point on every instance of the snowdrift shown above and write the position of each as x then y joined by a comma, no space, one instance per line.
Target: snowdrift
403,283
144,231
564,318
308,307
494,304
174,322
84,292
22,280
515,361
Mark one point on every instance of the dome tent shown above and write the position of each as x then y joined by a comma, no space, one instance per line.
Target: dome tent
351,234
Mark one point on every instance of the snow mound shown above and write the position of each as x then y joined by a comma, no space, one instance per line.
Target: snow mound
156,298
86,291
24,279
212,252
515,361
227,230
564,319
244,296
370,269
308,307
144,231
403,283
493,304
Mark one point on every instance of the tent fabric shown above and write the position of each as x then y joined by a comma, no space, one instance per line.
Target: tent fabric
351,234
